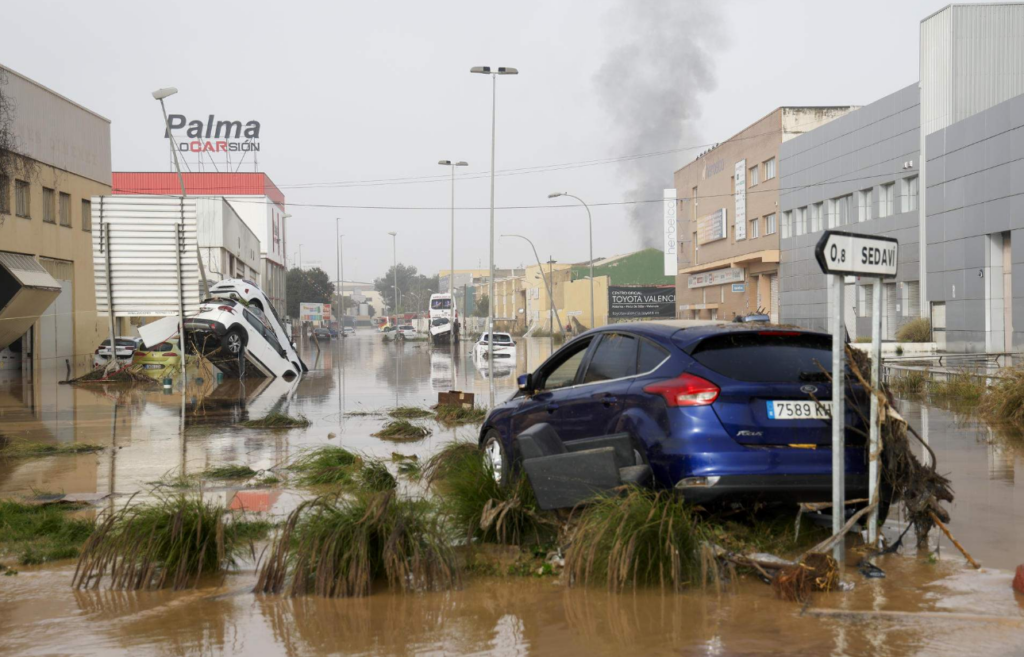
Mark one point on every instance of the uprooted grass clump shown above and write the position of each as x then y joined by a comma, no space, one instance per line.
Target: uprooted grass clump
339,547
325,465
910,384
1004,401
125,375
41,533
277,420
170,543
479,506
374,476
451,416
21,449
642,538
962,389
399,430
229,472
916,330
409,413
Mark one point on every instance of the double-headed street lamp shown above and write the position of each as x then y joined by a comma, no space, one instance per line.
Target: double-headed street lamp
590,229
451,271
547,284
494,73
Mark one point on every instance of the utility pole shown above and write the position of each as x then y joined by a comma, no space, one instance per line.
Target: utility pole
551,304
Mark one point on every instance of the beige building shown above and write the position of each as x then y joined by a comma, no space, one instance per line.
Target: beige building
728,218
45,214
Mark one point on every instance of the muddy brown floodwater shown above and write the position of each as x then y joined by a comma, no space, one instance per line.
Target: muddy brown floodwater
925,605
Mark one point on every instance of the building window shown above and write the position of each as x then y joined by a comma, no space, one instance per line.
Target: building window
801,221
769,169
49,206
5,198
21,196
769,224
816,210
830,213
87,215
864,205
885,200
753,176
866,299
754,228
693,203
839,211
65,209
909,194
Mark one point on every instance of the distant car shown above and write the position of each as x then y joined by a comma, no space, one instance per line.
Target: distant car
333,331
322,333
720,411
349,330
390,332
126,347
504,347
230,326
158,361
407,331
753,317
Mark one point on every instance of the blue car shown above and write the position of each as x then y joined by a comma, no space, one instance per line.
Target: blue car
719,411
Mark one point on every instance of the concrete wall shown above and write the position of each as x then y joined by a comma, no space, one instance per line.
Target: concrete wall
223,238
975,205
870,147
576,301
56,131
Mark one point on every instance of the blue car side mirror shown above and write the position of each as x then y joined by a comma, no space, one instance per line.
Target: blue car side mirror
525,382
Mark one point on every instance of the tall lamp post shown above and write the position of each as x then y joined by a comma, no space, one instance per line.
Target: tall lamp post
590,229
394,267
494,73
451,270
160,94
341,280
547,284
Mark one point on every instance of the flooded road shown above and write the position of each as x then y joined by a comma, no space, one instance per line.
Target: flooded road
925,605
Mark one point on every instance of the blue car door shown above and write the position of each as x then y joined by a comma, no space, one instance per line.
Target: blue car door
593,407
553,383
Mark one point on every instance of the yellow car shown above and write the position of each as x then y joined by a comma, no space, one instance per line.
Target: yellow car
162,360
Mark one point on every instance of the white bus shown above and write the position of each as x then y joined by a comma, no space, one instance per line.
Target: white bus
443,318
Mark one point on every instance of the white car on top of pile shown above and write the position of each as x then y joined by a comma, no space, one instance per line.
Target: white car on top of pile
504,347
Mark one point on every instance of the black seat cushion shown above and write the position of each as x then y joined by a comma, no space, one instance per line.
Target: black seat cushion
539,440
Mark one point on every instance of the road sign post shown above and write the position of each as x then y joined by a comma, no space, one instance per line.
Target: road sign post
841,254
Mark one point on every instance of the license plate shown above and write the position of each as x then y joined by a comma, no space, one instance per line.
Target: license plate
799,410
154,366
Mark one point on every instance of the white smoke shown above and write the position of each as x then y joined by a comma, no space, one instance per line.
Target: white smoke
651,85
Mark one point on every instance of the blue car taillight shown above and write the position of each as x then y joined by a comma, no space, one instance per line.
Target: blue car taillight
685,390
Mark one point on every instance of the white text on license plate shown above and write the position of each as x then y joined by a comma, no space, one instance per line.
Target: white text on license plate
799,410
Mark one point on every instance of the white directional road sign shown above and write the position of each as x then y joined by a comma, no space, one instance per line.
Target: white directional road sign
843,253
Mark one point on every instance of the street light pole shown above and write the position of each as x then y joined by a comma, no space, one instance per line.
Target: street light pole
590,229
547,284
160,94
337,245
341,279
300,257
394,266
486,70
451,270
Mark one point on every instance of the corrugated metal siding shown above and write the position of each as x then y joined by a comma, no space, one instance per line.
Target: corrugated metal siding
143,264
197,184
972,58
62,270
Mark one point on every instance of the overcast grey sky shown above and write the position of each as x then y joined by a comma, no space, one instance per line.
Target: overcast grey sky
359,91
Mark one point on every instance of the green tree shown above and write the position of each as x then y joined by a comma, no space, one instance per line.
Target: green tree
307,286
482,306
415,288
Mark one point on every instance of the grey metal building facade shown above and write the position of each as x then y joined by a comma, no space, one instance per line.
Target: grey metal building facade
858,173
975,230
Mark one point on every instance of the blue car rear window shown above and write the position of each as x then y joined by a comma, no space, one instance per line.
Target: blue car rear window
767,356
